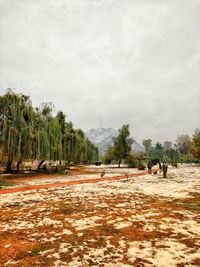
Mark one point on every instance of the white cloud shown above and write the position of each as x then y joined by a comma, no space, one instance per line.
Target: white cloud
107,62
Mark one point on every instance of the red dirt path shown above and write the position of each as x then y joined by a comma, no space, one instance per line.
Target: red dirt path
35,187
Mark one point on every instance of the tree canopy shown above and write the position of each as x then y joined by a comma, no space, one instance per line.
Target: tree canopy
147,143
122,144
195,148
28,133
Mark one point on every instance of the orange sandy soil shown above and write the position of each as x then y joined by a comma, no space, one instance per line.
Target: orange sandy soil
59,183
17,178
110,223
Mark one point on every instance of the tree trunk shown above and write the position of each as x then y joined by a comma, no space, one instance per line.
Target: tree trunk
18,164
8,166
119,162
40,164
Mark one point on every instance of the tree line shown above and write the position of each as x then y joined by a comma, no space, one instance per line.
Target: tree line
185,149
28,134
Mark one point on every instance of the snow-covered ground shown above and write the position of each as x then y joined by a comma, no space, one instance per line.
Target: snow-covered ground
96,172
181,182
141,221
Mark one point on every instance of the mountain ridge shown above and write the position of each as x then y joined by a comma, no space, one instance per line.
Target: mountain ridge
103,138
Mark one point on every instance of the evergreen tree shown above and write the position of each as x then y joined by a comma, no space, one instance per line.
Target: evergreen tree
147,143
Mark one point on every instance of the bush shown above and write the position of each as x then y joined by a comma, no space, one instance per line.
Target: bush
3,182
174,164
132,163
141,166
54,169
60,168
154,161
196,161
28,167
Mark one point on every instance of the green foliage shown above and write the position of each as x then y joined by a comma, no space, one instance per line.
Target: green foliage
160,152
147,143
121,148
154,161
109,156
131,162
167,145
141,166
183,145
122,144
25,167
4,182
157,152
138,155
171,155
16,131
28,134
195,148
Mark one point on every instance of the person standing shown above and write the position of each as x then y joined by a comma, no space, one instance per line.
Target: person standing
165,167
149,166
160,166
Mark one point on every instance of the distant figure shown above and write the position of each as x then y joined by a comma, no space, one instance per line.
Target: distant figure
165,167
103,173
160,166
149,166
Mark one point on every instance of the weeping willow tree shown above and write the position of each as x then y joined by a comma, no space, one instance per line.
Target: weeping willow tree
67,138
68,142
16,128
75,147
35,134
47,143
79,140
90,152
83,150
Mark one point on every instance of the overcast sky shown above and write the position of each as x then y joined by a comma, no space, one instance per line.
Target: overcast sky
107,62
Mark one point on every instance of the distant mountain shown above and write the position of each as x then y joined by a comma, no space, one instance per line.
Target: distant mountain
102,138
137,147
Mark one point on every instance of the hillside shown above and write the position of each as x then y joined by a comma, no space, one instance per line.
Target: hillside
103,137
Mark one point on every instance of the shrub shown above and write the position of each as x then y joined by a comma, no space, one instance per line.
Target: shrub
141,166
132,163
3,182
61,168
154,161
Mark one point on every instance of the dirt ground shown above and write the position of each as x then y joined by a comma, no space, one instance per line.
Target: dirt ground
139,221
